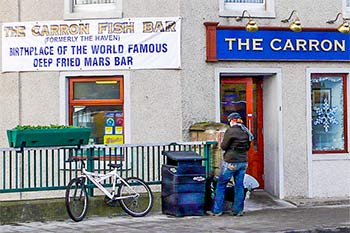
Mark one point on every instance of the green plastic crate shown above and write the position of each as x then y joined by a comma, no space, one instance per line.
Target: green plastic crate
48,137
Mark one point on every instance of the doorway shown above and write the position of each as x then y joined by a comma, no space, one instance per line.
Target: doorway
245,96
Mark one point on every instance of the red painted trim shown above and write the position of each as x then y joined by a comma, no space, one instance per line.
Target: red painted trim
345,104
345,113
260,128
211,40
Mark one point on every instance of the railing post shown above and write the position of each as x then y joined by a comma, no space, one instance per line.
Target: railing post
208,155
90,168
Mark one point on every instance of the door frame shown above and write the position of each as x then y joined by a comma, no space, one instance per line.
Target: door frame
277,182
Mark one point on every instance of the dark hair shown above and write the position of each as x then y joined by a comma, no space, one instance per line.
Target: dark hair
234,115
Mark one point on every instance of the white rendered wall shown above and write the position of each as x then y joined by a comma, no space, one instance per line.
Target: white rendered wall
163,104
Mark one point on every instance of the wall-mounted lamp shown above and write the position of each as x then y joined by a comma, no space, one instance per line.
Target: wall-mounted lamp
344,27
251,26
295,26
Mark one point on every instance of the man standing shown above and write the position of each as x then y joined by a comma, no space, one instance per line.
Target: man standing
236,143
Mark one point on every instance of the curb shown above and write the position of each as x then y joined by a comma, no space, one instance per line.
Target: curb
43,210
310,202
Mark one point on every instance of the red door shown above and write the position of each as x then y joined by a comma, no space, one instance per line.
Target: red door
244,95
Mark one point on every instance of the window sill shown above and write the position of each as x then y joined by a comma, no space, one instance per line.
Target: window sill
330,157
92,15
253,13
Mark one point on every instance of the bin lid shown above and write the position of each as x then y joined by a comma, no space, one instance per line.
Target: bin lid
182,155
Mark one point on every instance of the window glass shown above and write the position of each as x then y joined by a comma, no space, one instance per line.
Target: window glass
233,99
89,9
97,102
346,8
106,123
245,1
246,4
256,8
91,5
328,128
96,90
81,2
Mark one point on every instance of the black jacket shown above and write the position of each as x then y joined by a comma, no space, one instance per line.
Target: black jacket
232,137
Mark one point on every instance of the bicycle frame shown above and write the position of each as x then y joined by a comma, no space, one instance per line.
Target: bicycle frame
77,203
97,179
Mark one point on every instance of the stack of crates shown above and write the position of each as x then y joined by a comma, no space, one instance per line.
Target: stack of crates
183,184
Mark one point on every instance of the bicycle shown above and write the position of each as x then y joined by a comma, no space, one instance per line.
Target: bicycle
134,195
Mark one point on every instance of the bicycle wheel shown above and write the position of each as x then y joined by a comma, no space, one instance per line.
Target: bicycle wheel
138,199
76,199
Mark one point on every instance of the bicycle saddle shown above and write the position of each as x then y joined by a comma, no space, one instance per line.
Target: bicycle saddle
113,165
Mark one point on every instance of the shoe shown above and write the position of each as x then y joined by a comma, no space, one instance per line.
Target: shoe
210,213
238,214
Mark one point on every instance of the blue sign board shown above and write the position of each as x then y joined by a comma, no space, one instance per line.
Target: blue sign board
233,44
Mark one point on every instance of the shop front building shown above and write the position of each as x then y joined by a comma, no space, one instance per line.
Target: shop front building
138,74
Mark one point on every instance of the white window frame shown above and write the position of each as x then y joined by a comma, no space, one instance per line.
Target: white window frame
346,9
266,10
93,11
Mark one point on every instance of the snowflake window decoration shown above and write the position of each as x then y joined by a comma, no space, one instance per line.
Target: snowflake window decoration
325,115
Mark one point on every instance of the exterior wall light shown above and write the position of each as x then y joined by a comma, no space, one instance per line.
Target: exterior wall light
295,26
344,27
251,26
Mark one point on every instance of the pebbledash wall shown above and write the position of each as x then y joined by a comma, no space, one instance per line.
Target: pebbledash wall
161,103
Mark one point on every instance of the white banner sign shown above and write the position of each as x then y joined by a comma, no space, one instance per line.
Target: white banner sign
140,43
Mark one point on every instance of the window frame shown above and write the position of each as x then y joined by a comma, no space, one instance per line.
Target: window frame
345,116
254,9
95,102
92,11
73,102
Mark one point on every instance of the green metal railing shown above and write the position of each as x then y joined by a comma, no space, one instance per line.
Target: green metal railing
51,168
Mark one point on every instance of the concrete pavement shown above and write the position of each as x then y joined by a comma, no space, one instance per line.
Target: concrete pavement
302,219
262,214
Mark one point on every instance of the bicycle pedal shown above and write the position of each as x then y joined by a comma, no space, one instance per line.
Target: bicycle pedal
110,202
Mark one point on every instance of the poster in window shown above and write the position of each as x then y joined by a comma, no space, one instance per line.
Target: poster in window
113,139
108,130
321,96
119,121
119,130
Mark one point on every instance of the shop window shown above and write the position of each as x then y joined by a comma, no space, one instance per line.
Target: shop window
90,9
256,8
329,113
98,103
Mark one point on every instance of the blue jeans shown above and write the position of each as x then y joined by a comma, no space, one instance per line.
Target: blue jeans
237,170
